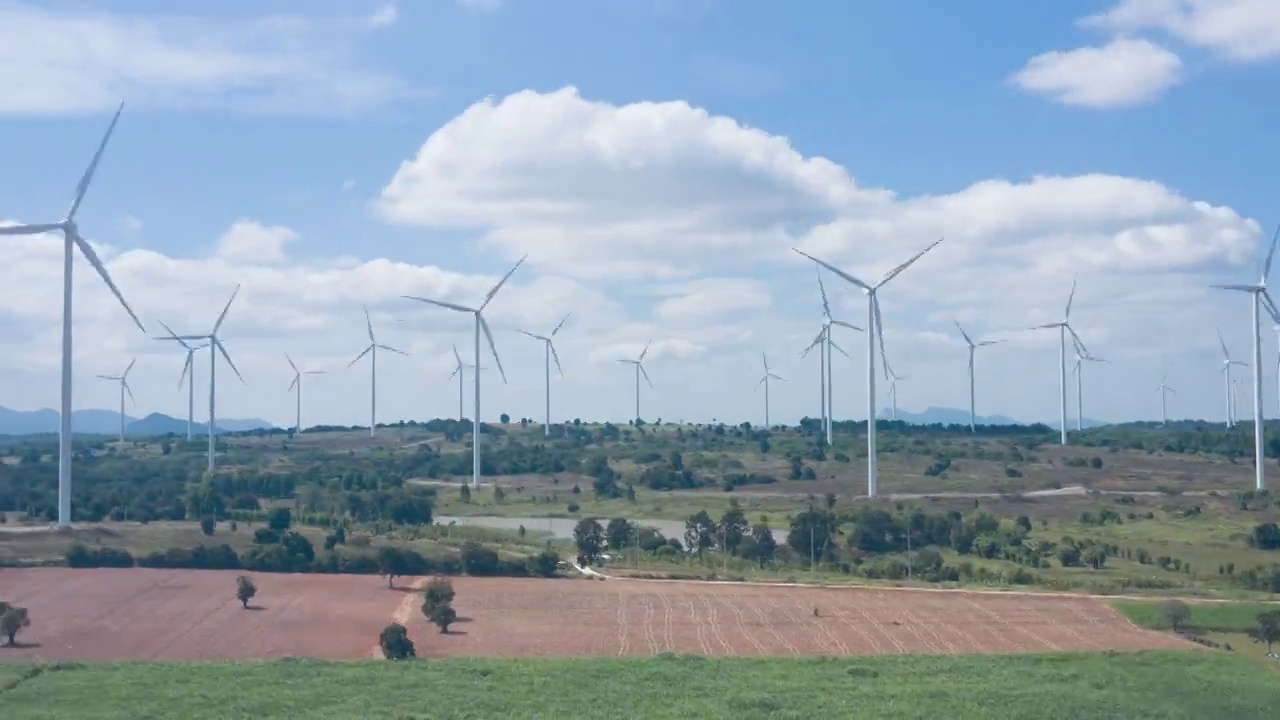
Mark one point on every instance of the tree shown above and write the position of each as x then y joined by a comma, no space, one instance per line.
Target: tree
619,533
700,532
245,590
1266,536
544,563
464,493
1175,614
437,593
733,528
395,643
279,519
12,619
588,536
207,524
763,546
1267,631
504,418
443,617
391,562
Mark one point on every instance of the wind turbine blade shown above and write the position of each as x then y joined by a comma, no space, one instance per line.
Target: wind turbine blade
984,343
526,332
1271,253
875,306
1075,340
898,270
456,356
1070,299
644,352
1223,343
126,370
227,357
489,297
489,336
172,335
645,373
837,347
822,288
295,367
846,276
777,377
128,390
441,303
555,356
455,371
83,186
965,334
186,368
316,372
1171,390
764,359
1045,326
561,324
293,384
844,324
369,324
1270,305
225,310
629,362
92,257
107,377
1241,288
822,335
361,355
388,347
29,229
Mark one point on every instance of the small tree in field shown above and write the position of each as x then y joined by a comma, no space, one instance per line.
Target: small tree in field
12,619
437,603
207,524
1175,614
395,642
245,590
1268,630
443,617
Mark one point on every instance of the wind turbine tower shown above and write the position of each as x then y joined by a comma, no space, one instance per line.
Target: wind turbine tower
1164,391
372,351
639,363
480,325
973,347
296,386
1082,356
893,388
215,347
829,342
824,345
123,379
188,376
459,371
768,374
1064,327
874,330
549,353
1227,362
71,240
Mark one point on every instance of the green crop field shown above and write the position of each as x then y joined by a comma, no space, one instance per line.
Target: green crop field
1164,685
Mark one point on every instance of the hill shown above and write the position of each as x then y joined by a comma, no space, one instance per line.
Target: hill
107,422
954,416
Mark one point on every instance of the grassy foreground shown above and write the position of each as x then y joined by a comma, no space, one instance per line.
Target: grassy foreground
1209,617
1160,685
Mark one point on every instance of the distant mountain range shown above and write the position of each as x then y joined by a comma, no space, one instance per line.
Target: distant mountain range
107,422
952,416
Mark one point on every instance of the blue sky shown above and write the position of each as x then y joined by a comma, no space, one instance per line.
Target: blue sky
330,155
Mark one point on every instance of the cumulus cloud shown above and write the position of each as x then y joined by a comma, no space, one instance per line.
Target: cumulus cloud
386,14
1122,73
80,61
1236,30
253,242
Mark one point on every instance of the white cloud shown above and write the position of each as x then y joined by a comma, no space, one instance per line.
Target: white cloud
1236,30
482,5
1122,73
712,282
65,62
386,14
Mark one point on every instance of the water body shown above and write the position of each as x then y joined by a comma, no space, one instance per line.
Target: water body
562,528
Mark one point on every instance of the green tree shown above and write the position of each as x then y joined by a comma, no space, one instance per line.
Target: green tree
245,590
395,643
207,524
700,532
588,536
1267,631
763,546
391,563
443,617
437,593
504,418
1174,614
12,619
619,534
733,528
545,563
279,519
464,493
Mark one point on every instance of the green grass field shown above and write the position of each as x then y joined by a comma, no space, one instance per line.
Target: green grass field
1164,685
1209,617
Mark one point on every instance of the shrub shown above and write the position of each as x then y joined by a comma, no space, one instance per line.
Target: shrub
1174,614
266,536
395,643
279,519
79,556
437,593
544,563
245,590
207,524
443,617
12,619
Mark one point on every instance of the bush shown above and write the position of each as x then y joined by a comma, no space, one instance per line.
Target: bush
245,590
12,619
279,519
443,617
395,643
79,556
207,524
544,563
266,536
437,593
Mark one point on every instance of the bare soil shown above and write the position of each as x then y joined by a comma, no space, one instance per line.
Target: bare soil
141,614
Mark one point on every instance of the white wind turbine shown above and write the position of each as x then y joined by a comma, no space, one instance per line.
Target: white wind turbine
1260,297
1164,391
480,325
873,323
1082,356
827,322
372,351
768,374
296,385
639,363
824,344
71,238
1227,362
549,353
188,376
1064,327
893,388
973,347
123,379
459,370
214,344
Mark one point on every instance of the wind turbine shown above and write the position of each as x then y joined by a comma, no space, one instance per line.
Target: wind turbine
1227,362
973,347
549,352
188,376
1260,297
372,351
1164,390
893,388
297,385
459,371
827,322
639,363
873,323
123,379
480,325
1082,356
823,342
765,382
71,237
214,344
1064,327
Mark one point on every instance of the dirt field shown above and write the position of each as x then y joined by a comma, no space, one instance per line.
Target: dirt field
172,615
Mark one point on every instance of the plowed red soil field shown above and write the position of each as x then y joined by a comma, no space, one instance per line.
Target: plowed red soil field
193,614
